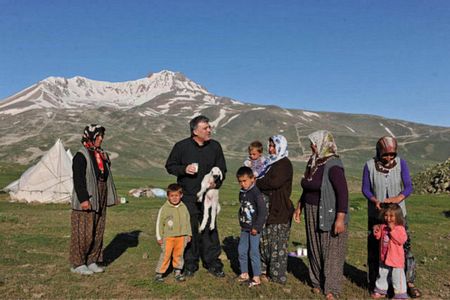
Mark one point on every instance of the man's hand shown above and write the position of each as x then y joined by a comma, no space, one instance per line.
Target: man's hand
191,169
160,242
85,205
254,231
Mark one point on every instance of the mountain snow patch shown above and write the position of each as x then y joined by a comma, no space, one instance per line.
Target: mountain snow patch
222,115
311,114
287,112
230,119
387,129
305,119
351,129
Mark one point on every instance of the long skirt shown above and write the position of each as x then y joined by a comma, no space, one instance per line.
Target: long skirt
273,247
87,230
326,254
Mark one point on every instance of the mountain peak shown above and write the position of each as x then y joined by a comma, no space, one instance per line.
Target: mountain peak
78,91
162,73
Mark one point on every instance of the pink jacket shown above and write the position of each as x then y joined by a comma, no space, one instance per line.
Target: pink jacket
395,256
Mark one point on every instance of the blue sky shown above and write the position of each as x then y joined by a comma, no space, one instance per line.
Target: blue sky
388,58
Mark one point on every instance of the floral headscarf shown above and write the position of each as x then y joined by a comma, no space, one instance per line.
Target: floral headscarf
281,147
385,145
326,148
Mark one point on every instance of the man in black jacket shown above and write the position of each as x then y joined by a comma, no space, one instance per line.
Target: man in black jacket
190,160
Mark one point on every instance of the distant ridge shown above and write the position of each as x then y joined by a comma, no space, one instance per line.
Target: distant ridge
145,117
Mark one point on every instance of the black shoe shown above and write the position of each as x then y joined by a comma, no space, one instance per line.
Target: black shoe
188,273
216,272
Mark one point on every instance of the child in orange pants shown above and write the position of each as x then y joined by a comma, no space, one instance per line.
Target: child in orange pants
173,232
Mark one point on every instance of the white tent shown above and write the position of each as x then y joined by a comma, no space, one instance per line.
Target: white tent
49,181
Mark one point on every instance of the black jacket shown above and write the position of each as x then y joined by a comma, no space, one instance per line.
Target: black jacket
207,156
277,184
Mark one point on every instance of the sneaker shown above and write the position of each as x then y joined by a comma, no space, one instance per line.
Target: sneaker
159,277
95,268
83,270
179,276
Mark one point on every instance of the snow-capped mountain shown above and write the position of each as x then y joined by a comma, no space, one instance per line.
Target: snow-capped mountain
80,92
145,117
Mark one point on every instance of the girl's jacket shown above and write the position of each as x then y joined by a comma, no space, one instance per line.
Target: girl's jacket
395,256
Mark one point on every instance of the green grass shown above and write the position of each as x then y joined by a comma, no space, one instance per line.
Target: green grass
35,242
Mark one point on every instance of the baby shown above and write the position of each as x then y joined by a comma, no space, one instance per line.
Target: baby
256,161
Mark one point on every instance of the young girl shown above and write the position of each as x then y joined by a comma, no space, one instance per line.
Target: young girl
392,236
256,161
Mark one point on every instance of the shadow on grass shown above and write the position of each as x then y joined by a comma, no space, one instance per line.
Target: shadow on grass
299,269
446,213
119,244
230,247
296,266
356,276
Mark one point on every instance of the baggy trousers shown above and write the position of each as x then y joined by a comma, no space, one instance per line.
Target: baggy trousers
87,230
172,249
326,254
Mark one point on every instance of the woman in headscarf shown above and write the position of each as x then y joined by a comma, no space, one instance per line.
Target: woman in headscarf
325,202
276,185
386,179
94,190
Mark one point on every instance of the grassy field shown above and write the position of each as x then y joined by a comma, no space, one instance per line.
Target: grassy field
35,242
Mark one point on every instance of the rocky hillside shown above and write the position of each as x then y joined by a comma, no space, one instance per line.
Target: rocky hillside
434,180
145,117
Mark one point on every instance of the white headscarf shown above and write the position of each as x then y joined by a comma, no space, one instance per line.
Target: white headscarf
281,148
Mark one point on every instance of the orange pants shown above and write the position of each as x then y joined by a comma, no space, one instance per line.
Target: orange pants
172,248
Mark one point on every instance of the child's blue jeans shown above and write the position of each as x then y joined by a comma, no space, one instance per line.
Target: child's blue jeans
249,244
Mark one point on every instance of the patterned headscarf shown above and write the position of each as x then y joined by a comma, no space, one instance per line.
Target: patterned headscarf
281,148
90,133
385,145
326,148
